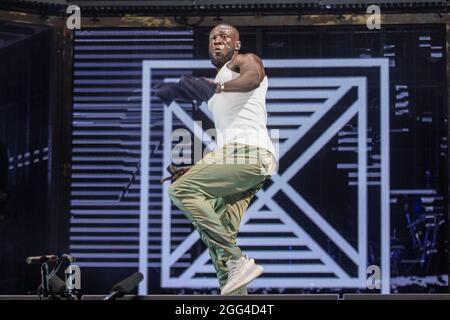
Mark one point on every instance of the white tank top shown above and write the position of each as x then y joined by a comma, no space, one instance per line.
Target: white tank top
241,117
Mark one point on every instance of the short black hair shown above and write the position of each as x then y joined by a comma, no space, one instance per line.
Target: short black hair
224,24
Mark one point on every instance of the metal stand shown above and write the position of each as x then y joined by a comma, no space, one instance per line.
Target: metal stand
44,290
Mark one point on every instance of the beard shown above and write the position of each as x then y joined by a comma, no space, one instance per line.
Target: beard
219,60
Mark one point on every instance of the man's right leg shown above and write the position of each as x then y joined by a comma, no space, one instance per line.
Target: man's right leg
231,214
204,182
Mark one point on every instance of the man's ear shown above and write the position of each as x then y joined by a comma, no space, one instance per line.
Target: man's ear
238,46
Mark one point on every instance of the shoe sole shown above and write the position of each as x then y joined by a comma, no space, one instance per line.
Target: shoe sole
253,273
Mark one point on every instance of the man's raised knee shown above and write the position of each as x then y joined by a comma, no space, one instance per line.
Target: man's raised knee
177,189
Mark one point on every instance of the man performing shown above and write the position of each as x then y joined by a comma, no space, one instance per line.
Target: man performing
215,193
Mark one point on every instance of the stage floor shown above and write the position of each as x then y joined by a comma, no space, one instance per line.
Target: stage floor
265,297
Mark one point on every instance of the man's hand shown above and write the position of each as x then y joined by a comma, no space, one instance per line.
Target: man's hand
209,82
176,172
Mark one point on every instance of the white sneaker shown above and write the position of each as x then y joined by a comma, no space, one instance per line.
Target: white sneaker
242,272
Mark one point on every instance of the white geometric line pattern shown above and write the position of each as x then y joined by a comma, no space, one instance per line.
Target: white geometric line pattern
266,208
265,198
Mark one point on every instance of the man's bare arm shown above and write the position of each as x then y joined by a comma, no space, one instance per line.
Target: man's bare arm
251,74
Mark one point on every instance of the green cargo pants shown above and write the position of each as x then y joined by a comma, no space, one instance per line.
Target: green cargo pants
214,195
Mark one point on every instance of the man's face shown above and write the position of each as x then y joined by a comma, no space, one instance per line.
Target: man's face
222,44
